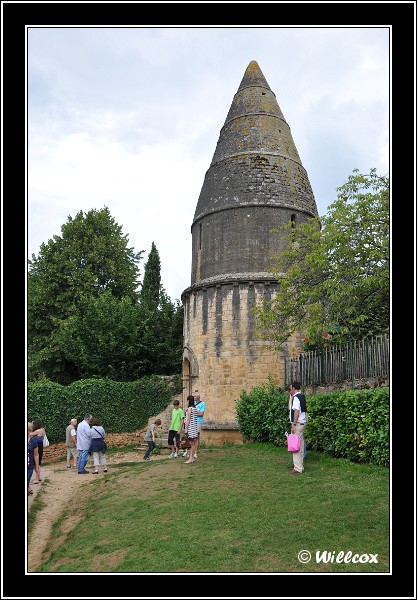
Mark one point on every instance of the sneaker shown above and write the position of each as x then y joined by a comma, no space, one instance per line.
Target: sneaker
104,470
175,455
171,455
185,455
95,472
146,458
195,455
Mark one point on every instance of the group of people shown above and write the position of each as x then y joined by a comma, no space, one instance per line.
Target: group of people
188,423
89,437
82,441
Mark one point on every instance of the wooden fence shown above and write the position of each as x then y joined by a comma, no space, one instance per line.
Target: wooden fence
353,360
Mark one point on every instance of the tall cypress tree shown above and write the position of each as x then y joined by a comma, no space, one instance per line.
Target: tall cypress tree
162,323
151,287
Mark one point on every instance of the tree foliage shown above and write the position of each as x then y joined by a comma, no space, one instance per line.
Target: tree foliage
104,338
334,272
86,318
162,322
90,257
150,293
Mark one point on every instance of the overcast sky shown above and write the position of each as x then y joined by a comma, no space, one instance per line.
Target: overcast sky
129,118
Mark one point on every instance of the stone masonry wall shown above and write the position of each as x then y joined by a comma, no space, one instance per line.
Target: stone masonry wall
239,240
219,331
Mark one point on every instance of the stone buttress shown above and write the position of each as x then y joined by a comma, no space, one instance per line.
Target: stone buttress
255,183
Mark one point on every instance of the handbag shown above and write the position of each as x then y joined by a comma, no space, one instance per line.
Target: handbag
104,443
45,441
185,442
293,443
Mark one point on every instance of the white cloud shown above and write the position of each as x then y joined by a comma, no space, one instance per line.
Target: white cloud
152,194
129,118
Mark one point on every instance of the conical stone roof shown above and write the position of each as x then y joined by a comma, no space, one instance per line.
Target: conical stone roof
256,161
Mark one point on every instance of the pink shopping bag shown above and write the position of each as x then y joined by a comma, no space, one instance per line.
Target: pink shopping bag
293,443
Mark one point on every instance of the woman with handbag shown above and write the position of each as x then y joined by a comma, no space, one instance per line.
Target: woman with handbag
37,435
98,446
33,456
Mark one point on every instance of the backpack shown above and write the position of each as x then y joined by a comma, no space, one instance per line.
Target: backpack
303,404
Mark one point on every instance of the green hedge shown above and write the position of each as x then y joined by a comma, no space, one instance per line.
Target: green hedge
262,414
120,406
349,424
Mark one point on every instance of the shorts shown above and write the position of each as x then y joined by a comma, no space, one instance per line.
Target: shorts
172,434
72,452
199,425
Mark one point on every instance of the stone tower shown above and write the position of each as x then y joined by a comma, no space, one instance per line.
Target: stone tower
255,183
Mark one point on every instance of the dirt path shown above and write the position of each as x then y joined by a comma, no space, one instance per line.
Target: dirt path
58,486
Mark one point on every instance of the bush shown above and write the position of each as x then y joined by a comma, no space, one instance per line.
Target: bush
351,424
120,406
262,414
348,424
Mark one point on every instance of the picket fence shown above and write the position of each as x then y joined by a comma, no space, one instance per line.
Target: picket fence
368,358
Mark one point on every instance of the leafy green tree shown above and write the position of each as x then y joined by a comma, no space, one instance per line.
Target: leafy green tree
105,339
334,272
90,257
121,339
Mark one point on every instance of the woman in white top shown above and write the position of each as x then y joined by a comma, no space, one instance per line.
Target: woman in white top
191,428
98,446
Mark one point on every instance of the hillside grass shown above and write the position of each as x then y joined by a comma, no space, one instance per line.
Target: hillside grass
235,510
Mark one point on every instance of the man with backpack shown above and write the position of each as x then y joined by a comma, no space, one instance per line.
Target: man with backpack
298,419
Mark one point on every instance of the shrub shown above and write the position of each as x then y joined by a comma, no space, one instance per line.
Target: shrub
120,406
349,424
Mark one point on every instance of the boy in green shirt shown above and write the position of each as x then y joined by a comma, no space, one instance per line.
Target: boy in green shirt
174,433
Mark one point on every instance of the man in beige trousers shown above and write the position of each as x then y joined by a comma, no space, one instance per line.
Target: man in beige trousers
71,443
298,418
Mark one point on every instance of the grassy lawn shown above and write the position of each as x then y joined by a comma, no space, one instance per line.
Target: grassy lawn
236,510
